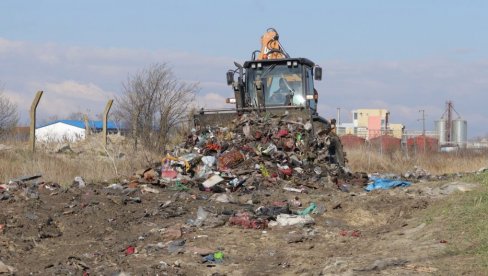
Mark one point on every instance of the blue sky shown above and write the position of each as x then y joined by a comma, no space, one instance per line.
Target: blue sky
403,56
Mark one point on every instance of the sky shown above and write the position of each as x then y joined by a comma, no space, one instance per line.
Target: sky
400,55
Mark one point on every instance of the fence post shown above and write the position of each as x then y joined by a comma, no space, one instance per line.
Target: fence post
87,126
32,133
105,119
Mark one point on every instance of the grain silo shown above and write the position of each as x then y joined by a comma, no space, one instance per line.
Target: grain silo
441,129
459,132
452,132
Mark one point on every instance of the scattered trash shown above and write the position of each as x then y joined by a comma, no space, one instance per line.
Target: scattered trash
290,189
292,220
223,198
308,210
385,184
26,178
212,181
177,246
146,189
245,220
130,250
78,182
132,200
217,258
179,187
201,217
296,202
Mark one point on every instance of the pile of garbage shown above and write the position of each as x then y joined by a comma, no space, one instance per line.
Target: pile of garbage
255,151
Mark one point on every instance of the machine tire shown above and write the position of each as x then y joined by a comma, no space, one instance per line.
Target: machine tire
336,149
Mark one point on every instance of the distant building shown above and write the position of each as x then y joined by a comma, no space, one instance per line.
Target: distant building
371,123
70,130
396,130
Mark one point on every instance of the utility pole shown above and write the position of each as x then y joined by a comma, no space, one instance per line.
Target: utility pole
338,116
423,121
423,129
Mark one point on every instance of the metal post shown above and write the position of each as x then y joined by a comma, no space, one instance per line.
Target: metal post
105,118
423,130
423,121
87,125
32,135
338,116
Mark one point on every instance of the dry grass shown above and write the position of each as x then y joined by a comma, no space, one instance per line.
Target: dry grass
89,159
96,163
371,160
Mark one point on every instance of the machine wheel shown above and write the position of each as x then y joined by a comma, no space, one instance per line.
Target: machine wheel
335,149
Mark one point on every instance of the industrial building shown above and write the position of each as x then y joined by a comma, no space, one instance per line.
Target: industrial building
373,126
371,123
452,133
70,130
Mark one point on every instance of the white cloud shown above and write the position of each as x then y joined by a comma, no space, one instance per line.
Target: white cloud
76,90
212,100
80,77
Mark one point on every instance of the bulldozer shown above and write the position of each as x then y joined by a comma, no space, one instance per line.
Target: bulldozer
272,82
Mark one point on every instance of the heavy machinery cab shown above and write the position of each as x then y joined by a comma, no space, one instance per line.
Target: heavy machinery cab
273,83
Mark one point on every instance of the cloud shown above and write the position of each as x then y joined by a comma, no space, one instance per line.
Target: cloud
406,86
84,78
76,90
76,78
212,101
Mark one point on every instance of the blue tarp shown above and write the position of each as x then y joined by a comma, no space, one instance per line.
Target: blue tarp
385,184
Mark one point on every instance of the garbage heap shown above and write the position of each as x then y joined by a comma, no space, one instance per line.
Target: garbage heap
255,151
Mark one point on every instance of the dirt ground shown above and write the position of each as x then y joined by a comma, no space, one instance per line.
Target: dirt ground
71,231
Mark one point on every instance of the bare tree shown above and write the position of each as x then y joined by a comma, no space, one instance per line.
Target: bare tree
77,116
9,115
153,104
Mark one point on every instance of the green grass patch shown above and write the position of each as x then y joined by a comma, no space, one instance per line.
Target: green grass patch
464,218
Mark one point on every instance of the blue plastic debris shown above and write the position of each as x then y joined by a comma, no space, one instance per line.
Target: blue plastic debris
385,184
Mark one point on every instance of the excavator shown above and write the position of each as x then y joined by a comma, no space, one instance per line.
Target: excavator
273,82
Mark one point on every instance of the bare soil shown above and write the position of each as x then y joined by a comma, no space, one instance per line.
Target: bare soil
74,231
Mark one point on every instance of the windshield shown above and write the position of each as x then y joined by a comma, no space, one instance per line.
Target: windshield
282,85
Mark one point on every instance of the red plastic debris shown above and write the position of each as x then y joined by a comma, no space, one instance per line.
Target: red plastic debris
356,233
280,203
282,133
353,233
257,135
169,174
287,171
244,220
215,147
130,250
443,241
